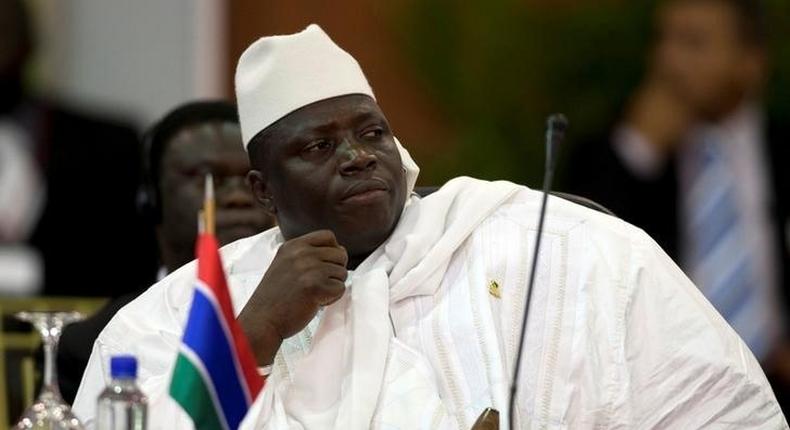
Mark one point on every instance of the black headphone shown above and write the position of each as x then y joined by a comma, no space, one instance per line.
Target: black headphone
148,202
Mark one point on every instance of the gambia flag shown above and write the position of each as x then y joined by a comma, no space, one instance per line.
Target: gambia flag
215,379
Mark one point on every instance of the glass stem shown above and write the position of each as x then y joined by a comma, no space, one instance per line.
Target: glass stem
50,382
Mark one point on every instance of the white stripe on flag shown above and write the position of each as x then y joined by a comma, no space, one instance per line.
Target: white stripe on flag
212,390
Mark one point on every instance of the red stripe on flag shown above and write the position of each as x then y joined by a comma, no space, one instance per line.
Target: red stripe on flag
210,271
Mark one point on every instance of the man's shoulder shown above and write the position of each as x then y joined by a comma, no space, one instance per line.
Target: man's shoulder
152,311
163,307
564,214
591,240
520,205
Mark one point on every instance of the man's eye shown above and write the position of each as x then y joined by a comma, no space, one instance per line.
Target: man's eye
320,145
373,133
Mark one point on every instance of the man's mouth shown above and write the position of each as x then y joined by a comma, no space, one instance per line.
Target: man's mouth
365,191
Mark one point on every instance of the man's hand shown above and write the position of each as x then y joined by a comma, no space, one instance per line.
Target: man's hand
660,115
308,272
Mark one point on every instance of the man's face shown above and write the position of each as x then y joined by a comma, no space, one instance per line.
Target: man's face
701,53
213,147
334,165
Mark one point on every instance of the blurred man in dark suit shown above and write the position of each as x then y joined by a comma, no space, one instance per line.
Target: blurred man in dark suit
89,169
696,162
190,141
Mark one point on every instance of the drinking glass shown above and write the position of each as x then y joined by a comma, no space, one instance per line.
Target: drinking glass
49,411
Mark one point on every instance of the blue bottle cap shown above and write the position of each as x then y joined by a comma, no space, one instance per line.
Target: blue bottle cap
123,366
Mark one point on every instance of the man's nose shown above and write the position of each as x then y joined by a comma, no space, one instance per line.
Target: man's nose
233,192
355,158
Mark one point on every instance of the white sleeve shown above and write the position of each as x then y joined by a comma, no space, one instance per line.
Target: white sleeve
684,366
93,382
149,328
163,411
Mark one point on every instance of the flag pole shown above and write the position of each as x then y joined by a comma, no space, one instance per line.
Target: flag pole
208,211
231,352
201,219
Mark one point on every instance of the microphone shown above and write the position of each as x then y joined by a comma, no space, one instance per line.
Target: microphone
556,125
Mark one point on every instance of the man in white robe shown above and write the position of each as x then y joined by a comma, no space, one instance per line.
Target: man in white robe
424,329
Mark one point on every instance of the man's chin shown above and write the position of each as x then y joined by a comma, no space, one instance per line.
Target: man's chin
364,238
228,234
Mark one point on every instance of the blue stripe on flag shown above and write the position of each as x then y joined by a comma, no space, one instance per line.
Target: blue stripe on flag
205,336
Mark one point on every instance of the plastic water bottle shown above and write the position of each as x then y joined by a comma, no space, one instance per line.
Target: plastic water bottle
122,406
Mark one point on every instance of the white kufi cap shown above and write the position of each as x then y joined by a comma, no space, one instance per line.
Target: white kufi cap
277,75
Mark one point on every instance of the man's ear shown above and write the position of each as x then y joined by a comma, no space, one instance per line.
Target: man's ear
260,189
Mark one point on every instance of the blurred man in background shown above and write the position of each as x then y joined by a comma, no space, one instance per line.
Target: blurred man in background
74,180
696,163
189,142
192,140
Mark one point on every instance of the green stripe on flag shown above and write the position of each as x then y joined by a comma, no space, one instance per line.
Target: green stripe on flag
190,391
